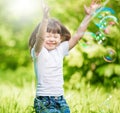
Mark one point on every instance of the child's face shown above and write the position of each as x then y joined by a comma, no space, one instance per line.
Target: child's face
52,40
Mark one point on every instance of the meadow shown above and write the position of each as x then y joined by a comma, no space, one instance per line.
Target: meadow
17,91
92,85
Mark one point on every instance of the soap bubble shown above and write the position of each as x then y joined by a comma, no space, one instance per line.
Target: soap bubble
88,39
110,55
100,37
105,10
105,21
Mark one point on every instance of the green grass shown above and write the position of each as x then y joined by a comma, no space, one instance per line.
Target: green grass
16,100
94,100
17,91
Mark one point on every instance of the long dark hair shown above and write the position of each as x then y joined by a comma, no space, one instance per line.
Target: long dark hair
53,26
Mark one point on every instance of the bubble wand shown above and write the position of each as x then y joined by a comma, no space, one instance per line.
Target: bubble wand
100,9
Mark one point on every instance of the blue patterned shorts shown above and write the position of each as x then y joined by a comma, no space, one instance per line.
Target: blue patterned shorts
46,104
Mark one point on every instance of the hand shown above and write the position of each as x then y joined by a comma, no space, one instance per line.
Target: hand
45,9
46,12
95,4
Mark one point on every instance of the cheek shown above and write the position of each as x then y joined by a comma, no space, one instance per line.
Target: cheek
58,41
46,39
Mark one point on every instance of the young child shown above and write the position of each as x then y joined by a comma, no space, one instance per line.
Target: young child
49,43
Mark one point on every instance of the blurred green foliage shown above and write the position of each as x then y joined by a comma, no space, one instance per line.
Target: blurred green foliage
80,64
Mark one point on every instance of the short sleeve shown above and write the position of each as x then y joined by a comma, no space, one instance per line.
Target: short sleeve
43,51
33,53
65,48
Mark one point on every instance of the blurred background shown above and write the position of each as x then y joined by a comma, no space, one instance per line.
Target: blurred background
85,68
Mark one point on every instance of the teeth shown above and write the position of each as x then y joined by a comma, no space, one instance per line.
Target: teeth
52,42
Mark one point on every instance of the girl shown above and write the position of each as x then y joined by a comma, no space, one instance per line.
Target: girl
49,43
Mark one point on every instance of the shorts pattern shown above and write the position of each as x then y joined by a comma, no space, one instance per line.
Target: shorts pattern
46,104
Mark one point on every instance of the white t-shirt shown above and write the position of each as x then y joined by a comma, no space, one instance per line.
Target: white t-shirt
49,70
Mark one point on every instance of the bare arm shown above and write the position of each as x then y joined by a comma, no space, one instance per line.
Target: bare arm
84,24
41,31
80,32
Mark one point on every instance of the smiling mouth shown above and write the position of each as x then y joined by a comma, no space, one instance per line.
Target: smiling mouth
51,44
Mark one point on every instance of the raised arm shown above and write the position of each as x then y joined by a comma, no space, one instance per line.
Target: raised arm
41,30
84,24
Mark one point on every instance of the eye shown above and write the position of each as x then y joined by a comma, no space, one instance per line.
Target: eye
55,37
47,36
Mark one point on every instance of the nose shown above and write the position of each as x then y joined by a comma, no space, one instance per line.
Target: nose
51,39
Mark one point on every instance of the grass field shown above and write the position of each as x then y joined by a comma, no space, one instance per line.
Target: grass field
17,90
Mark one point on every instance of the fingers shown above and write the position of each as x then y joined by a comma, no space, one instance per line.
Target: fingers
96,2
46,11
45,8
43,5
87,9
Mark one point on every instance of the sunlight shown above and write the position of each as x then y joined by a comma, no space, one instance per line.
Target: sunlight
23,7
